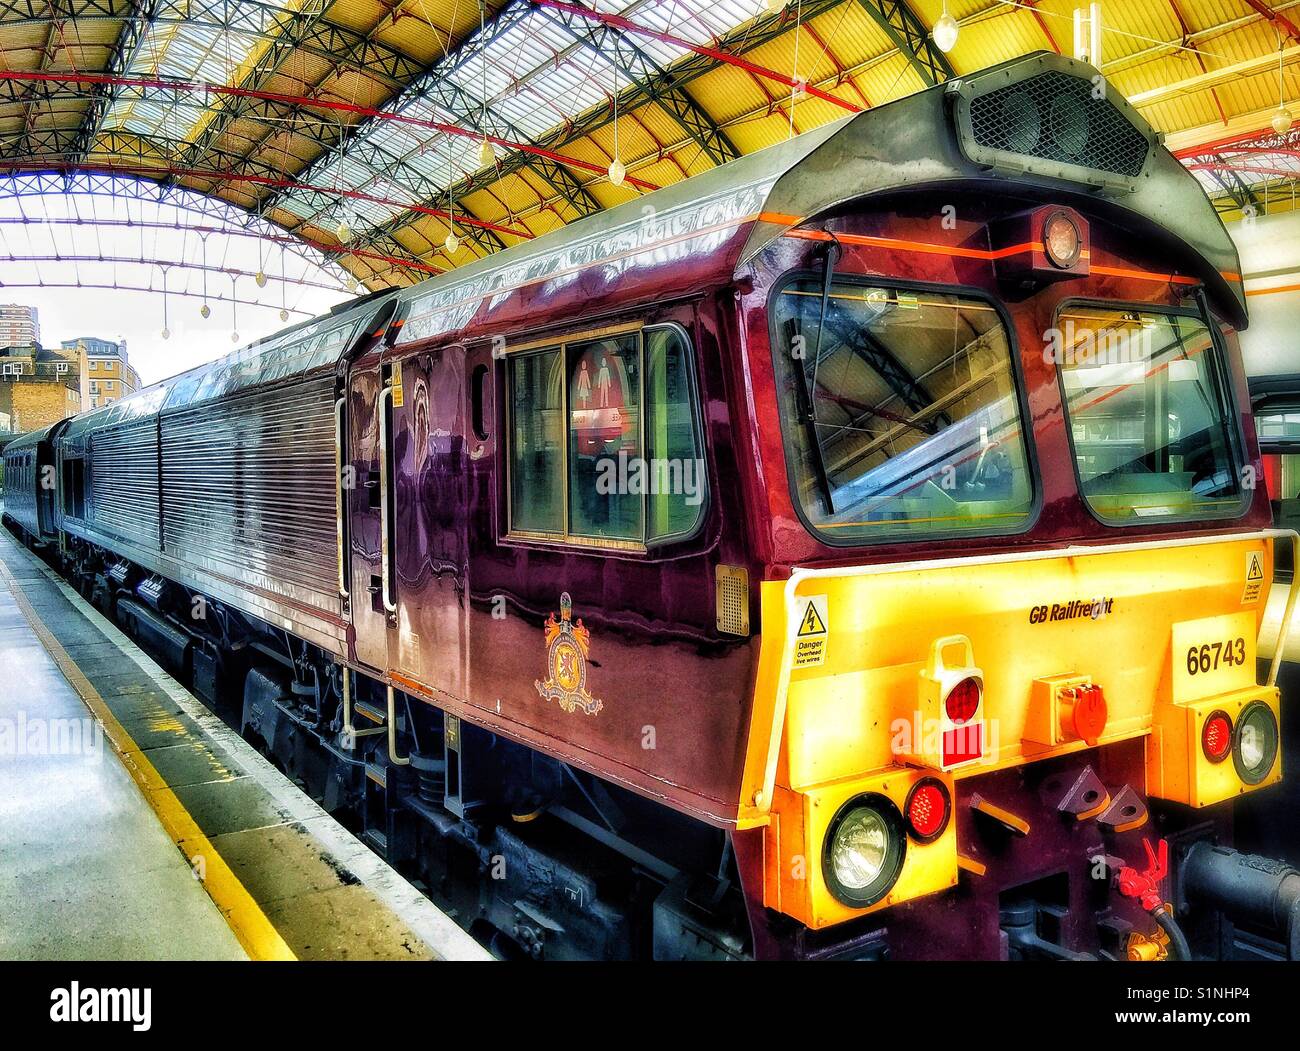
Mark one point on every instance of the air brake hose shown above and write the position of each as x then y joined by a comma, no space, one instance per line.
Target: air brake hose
1178,948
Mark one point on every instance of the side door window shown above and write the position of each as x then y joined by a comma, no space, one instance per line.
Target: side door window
606,442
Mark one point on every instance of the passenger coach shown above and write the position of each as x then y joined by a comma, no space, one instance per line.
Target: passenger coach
852,551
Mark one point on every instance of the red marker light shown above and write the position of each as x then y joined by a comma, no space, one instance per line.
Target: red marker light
1216,737
928,808
963,701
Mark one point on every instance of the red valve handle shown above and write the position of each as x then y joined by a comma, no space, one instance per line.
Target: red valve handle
1145,885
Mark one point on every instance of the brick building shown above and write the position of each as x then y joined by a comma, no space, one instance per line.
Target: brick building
39,387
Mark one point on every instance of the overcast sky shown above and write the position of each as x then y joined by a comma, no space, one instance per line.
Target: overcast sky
47,228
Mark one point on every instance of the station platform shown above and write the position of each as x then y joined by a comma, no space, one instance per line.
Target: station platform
136,825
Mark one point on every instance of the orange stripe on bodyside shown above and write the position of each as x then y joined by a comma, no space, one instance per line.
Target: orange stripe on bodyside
1144,275
991,254
926,247
1270,291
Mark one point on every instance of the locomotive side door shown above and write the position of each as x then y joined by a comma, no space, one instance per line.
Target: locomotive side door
426,447
363,415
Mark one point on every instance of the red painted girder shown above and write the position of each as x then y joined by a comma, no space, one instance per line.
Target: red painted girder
198,88
627,25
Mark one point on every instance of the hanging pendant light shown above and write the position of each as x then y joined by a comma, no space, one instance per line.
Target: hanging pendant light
486,154
452,243
166,329
260,279
205,311
945,31
1282,119
284,313
617,169
234,308
353,283
343,231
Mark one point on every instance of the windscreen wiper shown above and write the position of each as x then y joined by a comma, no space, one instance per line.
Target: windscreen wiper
809,389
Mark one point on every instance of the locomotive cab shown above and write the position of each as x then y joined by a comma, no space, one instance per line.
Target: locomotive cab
1020,568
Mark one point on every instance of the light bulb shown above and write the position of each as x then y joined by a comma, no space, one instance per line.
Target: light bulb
1281,120
452,244
260,279
945,32
284,315
205,311
234,337
166,333
617,172
343,230
486,154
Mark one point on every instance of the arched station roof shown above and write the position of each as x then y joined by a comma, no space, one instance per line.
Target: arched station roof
359,126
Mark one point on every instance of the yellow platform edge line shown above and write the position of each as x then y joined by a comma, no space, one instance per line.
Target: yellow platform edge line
247,921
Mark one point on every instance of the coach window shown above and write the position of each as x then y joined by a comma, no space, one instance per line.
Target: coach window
1149,415
900,412
606,442
537,443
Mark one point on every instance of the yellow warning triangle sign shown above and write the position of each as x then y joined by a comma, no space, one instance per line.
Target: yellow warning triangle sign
1256,569
812,622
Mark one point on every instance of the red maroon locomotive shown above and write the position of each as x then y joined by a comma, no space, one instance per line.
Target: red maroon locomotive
847,552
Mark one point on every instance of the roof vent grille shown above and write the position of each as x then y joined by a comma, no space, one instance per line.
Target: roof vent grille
1053,123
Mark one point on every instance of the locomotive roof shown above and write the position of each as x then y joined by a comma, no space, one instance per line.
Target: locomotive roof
904,145
29,439
311,346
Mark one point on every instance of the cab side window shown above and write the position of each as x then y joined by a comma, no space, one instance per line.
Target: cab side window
606,441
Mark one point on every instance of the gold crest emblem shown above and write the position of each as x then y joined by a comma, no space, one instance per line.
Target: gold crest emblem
567,646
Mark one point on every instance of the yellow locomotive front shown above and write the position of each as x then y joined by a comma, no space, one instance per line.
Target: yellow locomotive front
1023,658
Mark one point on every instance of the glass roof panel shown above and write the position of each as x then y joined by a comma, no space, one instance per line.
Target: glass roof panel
537,75
197,54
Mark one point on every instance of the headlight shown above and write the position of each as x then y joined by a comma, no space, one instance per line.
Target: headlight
864,850
1254,745
1062,241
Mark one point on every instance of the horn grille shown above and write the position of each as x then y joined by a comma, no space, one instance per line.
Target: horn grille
1055,116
